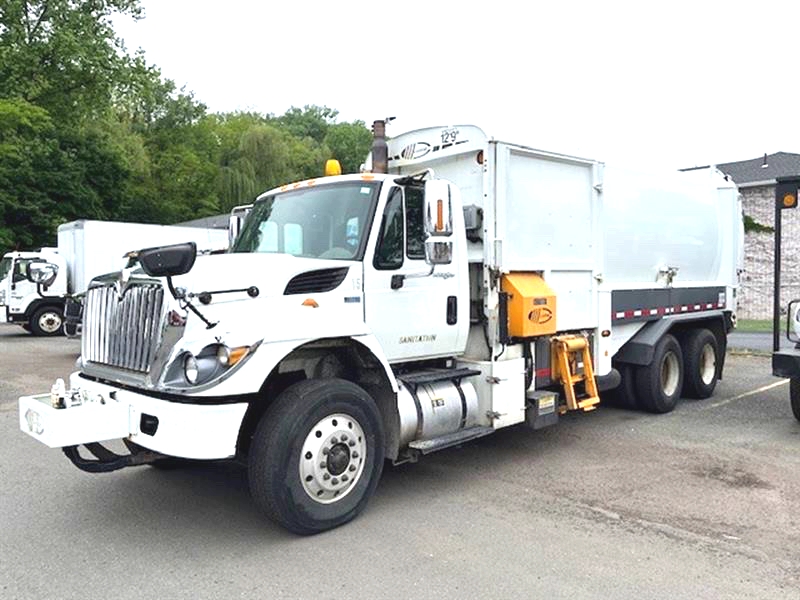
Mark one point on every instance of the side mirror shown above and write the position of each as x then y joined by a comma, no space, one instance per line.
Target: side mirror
438,253
234,227
42,273
438,208
168,261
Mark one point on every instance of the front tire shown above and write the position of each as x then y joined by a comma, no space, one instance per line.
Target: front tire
47,321
316,455
658,385
794,396
700,360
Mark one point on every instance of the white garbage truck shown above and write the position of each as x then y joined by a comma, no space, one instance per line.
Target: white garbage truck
85,250
462,286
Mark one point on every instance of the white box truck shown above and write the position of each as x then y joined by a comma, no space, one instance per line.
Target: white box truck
85,250
474,286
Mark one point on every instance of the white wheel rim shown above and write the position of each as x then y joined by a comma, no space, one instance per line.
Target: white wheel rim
49,322
669,374
708,364
332,458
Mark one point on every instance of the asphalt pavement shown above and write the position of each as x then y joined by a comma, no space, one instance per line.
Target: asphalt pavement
701,503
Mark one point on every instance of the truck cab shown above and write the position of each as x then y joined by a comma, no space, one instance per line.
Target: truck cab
370,230
37,308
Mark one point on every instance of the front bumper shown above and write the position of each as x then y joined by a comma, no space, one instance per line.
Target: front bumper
98,412
786,363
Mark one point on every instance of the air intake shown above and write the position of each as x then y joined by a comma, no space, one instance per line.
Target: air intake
322,280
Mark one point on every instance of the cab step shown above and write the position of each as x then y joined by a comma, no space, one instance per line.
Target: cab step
432,375
451,439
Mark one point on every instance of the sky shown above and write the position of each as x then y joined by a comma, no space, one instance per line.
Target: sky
675,84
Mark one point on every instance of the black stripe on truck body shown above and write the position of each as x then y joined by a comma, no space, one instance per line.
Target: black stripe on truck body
651,304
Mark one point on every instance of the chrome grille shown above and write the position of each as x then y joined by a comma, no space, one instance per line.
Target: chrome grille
122,332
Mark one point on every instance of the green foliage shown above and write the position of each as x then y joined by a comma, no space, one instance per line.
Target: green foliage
310,121
349,143
49,175
27,143
61,55
751,225
88,131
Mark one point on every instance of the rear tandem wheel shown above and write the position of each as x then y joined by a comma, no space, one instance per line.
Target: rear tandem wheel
658,385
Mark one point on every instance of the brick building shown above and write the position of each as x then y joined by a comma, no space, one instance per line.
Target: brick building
756,181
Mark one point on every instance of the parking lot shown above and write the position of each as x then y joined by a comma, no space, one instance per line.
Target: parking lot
703,502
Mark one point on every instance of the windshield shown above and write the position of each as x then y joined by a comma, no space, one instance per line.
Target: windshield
5,266
325,221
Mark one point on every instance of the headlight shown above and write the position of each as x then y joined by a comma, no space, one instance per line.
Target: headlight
224,355
191,369
211,363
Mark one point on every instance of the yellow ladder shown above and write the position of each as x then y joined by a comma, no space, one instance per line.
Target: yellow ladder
568,352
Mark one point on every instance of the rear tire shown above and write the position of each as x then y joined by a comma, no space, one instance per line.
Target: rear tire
794,396
47,321
316,455
700,360
658,385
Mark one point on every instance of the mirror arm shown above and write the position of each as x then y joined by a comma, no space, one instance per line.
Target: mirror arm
39,287
187,304
416,178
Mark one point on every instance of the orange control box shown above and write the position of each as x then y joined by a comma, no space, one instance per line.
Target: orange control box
531,305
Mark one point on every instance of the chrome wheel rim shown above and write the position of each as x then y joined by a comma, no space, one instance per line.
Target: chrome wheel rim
49,322
332,458
669,374
708,364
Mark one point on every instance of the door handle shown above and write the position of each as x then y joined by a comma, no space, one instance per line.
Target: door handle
452,310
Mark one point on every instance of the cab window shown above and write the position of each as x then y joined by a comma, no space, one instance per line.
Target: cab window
415,228
389,251
20,270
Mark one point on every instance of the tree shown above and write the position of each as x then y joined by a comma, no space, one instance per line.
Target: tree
310,121
349,143
27,143
89,131
59,65
48,176
62,55
260,161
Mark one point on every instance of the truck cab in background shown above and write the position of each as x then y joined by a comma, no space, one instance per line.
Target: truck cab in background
37,308
85,250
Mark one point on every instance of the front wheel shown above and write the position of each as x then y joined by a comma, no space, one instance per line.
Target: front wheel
794,396
47,321
316,455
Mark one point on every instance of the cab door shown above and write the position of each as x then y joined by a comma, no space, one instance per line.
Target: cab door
414,313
